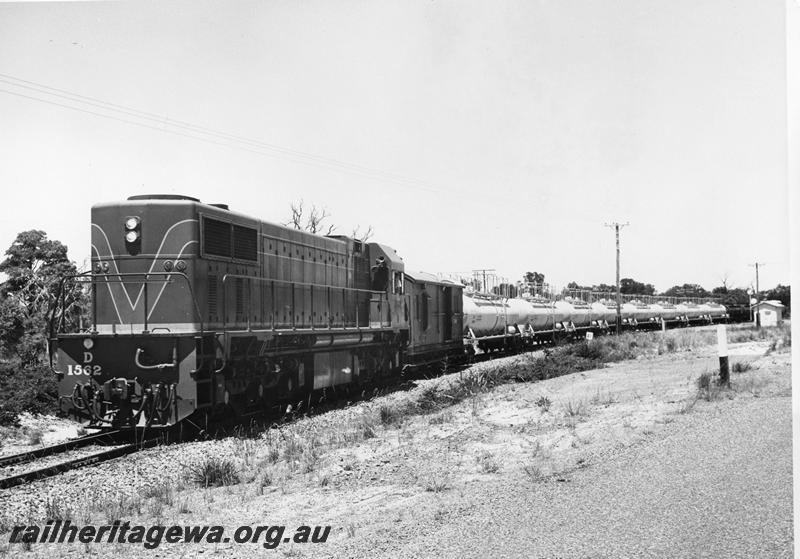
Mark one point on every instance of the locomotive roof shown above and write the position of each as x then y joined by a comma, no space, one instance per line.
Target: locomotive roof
425,277
215,210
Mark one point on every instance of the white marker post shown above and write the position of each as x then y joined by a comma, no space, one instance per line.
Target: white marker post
722,351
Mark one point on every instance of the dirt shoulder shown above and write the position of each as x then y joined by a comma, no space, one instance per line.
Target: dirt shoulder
384,486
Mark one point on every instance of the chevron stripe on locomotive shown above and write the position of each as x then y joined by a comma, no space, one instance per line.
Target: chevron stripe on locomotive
199,311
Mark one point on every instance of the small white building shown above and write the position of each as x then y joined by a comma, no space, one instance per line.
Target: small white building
768,313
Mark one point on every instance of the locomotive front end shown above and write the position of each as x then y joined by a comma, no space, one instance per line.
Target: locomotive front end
134,366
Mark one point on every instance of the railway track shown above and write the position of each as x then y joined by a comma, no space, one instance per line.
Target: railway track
110,438
63,446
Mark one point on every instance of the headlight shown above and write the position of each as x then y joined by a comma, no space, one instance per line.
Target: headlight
132,223
131,236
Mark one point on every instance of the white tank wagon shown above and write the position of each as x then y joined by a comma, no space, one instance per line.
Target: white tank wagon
580,313
646,315
604,312
495,323
530,315
492,322
628,314
668,311
484,315
542,314
694,313
717,311
565,314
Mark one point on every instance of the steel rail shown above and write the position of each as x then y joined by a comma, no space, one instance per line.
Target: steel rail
63,446
75,463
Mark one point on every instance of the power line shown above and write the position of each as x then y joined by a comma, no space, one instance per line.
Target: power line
201,133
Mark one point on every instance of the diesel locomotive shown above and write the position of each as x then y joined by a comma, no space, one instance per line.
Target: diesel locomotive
200,311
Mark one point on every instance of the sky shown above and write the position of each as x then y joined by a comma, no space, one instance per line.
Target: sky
468,134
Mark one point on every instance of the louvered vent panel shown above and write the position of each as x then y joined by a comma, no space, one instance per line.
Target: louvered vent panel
239,295
216,237
212,295
245,243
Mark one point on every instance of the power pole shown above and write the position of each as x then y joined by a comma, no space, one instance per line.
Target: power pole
756,265
616,226
483,271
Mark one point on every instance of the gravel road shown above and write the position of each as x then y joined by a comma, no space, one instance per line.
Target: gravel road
712,484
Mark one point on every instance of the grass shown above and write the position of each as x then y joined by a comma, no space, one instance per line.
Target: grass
487,463
586,355
603,398
57,508
741,367
390,415
709,387
35,437
574,408
437,482
214,472
543,402
533,471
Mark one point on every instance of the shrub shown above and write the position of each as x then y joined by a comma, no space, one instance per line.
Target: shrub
215,472
543,402
741,367
487,462
389,415
30,388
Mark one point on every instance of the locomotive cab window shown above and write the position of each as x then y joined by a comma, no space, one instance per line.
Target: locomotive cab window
397,283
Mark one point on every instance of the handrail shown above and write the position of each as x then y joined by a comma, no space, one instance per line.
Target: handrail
117,277
140,351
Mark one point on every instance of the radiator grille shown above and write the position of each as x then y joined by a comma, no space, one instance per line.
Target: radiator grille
245,243
216,237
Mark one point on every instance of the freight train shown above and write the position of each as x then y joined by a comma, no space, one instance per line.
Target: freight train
200,311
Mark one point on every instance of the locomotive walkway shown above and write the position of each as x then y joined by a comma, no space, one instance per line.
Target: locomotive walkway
715,484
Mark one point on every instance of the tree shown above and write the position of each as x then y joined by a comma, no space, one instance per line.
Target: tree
314,221
686,290
598,288
34,266
782,293
604,288
630,286
534,277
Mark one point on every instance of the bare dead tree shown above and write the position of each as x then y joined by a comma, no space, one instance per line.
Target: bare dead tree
362,237
314,220
297,216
